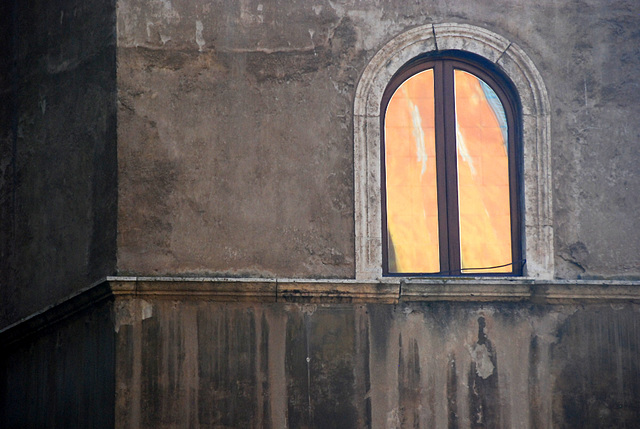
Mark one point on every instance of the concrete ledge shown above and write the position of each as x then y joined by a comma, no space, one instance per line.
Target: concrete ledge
513,289
213,289
256,290
331,291
386,291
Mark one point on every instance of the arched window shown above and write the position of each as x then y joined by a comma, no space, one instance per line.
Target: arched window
482,58
450,181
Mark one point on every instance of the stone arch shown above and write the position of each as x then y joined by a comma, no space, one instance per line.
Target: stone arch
514,62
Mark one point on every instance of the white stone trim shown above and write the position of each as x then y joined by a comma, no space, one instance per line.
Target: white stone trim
536,140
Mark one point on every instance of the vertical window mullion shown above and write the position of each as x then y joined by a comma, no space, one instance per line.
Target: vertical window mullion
441,167
451,168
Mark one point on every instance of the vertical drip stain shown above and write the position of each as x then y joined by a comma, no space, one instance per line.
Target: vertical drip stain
308,359
409,383
452,393
536,410
367,374
263,397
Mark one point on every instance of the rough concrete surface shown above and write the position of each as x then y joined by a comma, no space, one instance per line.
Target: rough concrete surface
257,179
235,129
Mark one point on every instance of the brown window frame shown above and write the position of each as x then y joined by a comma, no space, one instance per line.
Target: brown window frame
446,158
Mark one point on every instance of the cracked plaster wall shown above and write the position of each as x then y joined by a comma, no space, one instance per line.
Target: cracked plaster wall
236,143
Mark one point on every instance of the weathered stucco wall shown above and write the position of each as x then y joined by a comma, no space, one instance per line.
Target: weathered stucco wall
203,364
236,142
235,154
58,158
234,129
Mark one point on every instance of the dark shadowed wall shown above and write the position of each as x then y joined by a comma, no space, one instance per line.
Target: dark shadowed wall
61,377
58,158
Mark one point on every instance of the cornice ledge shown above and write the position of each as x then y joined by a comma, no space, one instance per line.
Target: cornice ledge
271,290
257,289
385,290
521,289
206,288
338,291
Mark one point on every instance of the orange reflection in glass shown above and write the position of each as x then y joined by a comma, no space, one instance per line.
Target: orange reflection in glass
483,176
410,165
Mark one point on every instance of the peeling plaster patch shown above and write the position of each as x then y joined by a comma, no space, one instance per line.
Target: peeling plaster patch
166,4
376,33
393,418
199,39
123,314
487,311
311,33
247,15
482,358
167,11
309,309
337,8
129,312
317,9
546,327
147,309
164,39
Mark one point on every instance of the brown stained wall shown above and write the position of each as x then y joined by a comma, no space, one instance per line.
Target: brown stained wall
202,364
235,133
234,163
58,154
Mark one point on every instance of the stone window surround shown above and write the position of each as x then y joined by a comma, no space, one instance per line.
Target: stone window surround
514,62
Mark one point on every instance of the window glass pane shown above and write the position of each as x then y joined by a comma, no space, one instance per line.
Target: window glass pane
410,165
483,176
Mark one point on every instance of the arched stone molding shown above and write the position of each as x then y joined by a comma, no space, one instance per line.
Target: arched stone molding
515,63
